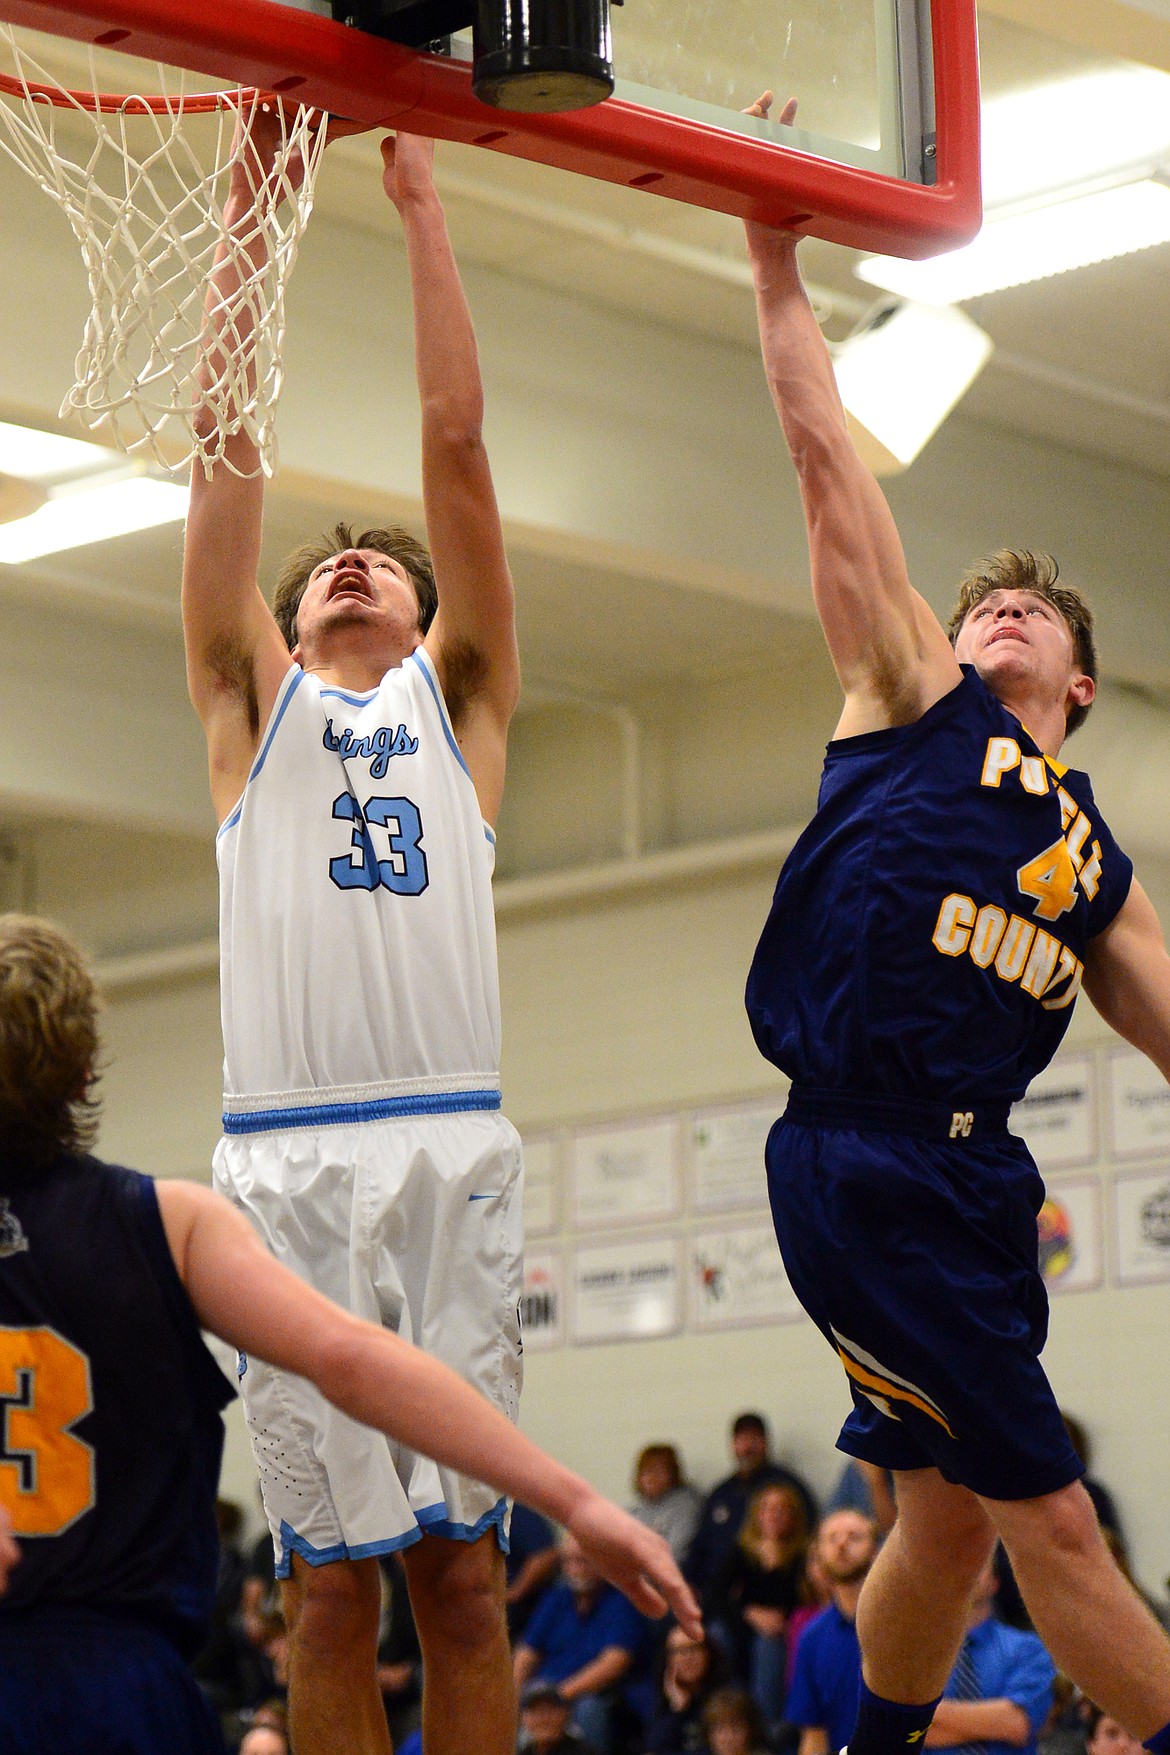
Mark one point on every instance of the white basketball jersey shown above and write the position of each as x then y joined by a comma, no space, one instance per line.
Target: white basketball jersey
357,935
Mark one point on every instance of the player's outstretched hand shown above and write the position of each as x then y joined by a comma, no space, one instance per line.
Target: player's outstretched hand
9,1549
763,108
761,238
637,1560
408,167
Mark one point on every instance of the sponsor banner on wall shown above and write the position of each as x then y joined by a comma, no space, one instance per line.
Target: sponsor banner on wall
1142,1228
1139,1107
623,1175
1057,1116
727,1156
541,1185
627,1291
1071,1248
542,1303
738,1278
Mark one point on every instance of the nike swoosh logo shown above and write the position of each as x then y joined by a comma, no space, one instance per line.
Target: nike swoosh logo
494,1196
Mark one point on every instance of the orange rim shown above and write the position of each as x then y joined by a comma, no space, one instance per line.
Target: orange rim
112,103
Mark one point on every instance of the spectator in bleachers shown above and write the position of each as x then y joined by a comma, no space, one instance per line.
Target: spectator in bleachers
264,1740
1104,1736
726,1505
664,1500
1104,1503
759,1589
814,1596
587,1639
1000,1691
531,1563
690,1674
863,1486
732,1725
399,1667
545,1727
822,1700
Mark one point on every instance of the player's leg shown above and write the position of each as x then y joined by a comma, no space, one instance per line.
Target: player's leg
457,1595
334,1701
1092,1621
913,1608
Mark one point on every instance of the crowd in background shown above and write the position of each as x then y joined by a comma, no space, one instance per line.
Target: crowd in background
776,1672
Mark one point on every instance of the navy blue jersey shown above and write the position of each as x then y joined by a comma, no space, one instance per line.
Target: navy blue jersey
110,1404
929,928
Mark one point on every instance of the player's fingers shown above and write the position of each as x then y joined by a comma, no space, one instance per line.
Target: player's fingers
788,113
761,106
646,1597
683,1606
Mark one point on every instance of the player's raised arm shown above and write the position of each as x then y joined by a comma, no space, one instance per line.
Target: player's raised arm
888,649
473,637
252,1301
1127,977
236,657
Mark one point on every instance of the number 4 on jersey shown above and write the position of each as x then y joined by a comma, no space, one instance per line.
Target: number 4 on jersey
1051,880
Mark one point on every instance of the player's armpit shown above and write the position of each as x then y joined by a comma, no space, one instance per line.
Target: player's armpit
1127,977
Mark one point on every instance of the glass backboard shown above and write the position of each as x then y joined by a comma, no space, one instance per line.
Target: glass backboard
884,155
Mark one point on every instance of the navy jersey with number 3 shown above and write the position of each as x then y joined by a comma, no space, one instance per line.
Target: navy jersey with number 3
110,1426
928,931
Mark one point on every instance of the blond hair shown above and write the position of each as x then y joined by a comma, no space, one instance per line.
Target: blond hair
48,1043
750,1537
1019,570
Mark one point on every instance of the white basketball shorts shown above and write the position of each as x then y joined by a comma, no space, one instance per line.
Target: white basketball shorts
415,1224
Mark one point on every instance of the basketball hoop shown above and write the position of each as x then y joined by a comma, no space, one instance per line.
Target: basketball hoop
145,195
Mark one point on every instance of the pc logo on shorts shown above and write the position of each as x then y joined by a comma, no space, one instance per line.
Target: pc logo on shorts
962,1121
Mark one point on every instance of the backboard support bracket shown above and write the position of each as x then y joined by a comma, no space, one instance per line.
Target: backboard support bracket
416,24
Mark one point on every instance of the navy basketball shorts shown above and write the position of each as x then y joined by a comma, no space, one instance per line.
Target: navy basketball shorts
75,1682
916,1255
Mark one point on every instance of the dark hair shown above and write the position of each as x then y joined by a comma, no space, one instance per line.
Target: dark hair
749,1423
733,1706
395,542
1009,570
48,1043
664,1453
1077,1437
1091,1715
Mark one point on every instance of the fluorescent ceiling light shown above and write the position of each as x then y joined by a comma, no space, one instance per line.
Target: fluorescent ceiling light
900,377
1069,178
37,456
1074,132
1033,245
75,517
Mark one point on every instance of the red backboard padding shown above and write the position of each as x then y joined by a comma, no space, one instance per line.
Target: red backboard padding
321,61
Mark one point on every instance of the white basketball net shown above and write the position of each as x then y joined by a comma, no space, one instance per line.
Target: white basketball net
145,196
